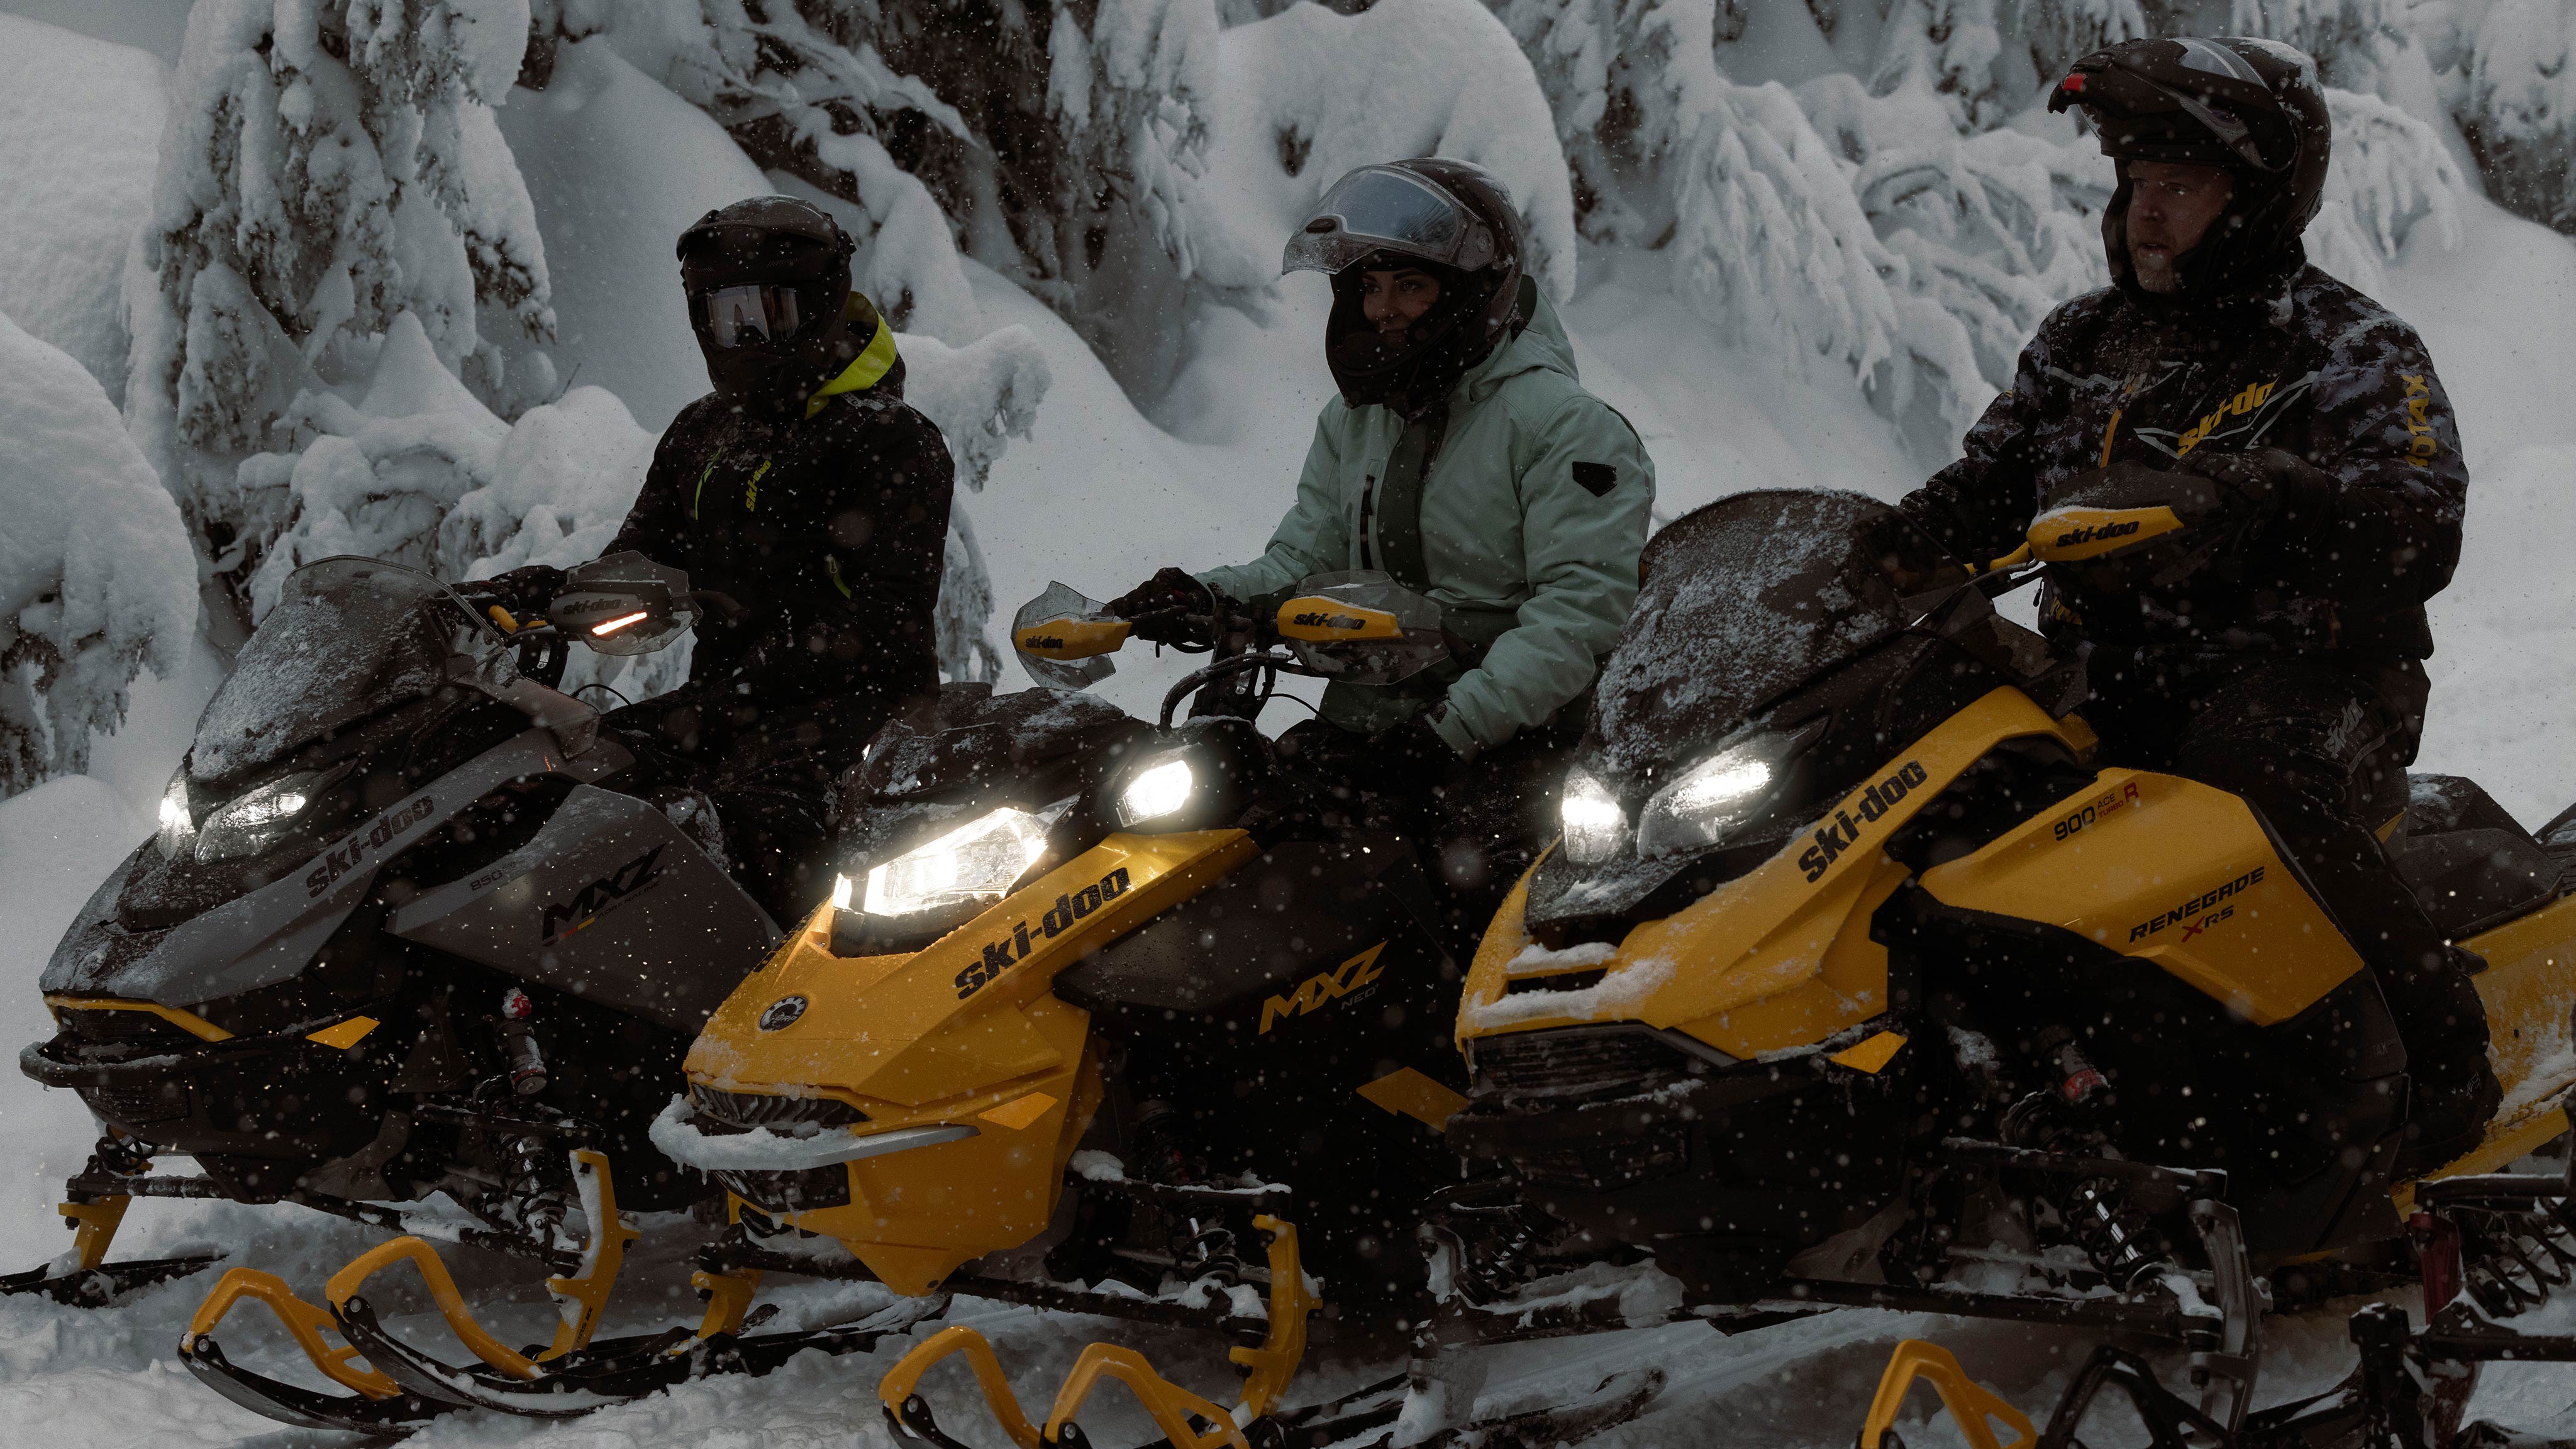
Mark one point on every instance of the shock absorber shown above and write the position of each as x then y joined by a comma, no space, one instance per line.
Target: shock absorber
539,1209
2115,1235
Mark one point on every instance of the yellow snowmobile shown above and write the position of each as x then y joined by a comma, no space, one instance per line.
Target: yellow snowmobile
1855,980
1109,1017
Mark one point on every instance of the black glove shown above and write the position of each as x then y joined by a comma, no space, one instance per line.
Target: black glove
1169,608
2267,482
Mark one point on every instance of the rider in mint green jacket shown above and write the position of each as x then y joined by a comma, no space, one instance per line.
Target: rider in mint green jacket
1463,457
1526,524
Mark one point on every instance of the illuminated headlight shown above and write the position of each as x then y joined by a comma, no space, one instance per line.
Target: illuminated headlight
178,832
1156,791
976,862
1711,798
1596,829
253,822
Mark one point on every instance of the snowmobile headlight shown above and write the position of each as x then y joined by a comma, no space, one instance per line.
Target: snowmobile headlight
975,862
178,830
1712,797
253,822
1157,790
1596,828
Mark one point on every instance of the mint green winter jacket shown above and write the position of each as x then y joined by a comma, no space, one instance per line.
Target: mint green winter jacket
1536,505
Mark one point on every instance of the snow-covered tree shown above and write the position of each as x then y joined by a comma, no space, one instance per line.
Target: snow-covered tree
1310,94
332,173
2520,111
2390,175
1059,143
96,577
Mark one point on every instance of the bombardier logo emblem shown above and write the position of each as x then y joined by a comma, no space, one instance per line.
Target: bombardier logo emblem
563,918
783,1013
2100,534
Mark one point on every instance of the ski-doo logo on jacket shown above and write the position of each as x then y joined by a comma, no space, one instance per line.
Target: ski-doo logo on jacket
1843,832
2244,403
346,858
999,956
601,896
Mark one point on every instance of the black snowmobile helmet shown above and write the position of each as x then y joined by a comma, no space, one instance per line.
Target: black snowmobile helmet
768,281
2252,106
1450,218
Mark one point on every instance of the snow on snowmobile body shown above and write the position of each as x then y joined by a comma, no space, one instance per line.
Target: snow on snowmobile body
1848,934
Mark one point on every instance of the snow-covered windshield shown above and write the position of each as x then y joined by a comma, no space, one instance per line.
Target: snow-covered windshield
349,638
1743,601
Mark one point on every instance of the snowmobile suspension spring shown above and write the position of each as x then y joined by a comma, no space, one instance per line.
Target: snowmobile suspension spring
2114,1234
540,1211
1211,1255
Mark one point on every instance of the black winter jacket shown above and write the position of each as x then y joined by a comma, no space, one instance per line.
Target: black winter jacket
2317,369
829,530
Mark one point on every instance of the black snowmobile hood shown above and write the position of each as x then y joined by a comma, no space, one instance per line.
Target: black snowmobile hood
347,639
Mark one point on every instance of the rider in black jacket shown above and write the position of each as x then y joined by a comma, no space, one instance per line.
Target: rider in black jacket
812,503
2279,656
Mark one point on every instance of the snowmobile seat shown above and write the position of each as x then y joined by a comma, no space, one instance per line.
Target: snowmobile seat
2470,863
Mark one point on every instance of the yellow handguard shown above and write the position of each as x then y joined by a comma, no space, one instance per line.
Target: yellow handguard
1972,1406
2073,535
1071,637
1319,620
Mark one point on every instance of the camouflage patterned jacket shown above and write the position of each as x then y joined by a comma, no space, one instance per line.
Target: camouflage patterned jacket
2317,369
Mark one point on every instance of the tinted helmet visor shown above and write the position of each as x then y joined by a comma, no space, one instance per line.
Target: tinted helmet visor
752,313
1383,209
2188,100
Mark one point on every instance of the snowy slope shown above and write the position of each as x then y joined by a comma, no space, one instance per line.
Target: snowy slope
79,119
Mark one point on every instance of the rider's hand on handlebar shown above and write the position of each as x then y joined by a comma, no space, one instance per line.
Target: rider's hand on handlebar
1171,608
2266,481
526,592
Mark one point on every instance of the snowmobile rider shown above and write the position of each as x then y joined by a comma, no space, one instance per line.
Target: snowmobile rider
2278,651
1464,458
813,502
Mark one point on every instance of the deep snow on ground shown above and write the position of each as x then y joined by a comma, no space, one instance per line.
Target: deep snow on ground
1098,498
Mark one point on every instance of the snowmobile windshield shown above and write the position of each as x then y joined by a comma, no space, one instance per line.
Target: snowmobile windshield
1743,602
1382,208
348,639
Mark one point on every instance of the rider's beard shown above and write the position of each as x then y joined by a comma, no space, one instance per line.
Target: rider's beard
2154,270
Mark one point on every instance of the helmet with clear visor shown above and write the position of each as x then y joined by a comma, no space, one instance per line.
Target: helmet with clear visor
1390,209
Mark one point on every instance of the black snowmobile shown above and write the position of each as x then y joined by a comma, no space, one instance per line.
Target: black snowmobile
1136,1020
400,935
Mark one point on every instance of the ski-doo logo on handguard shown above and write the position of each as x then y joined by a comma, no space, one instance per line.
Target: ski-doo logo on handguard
347,858
1842,832
1329,621
1042,641
601,896
2101,533
1000,956
1324,988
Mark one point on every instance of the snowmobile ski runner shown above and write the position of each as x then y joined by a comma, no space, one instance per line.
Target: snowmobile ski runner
986,1066
399,935
1854,981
